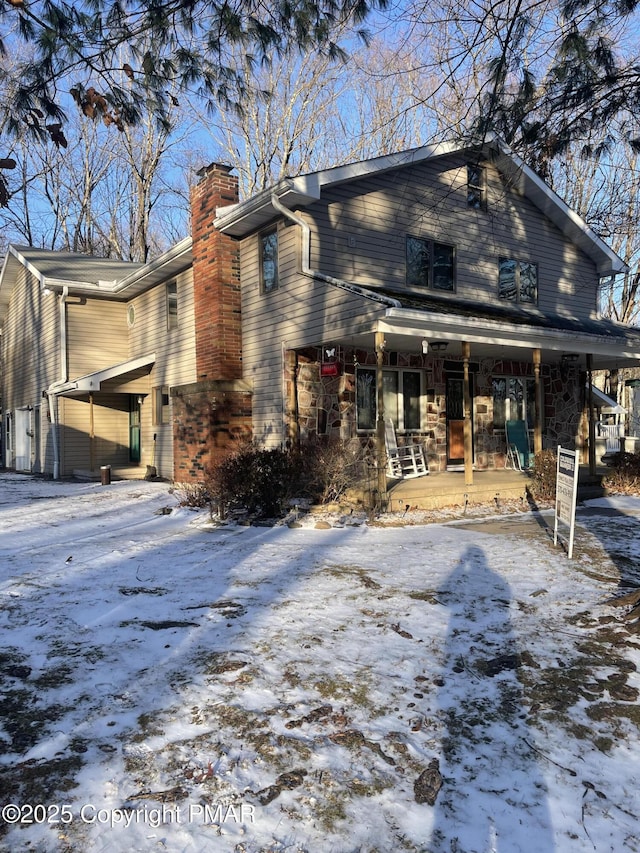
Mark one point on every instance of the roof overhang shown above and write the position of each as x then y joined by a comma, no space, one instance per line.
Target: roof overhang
490,337
96,277
93,382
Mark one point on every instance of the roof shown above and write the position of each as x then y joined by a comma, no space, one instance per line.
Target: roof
88,275
241,219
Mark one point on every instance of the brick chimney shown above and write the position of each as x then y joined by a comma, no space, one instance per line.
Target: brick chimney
216,278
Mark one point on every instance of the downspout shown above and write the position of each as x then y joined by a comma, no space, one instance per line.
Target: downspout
51,390
305,261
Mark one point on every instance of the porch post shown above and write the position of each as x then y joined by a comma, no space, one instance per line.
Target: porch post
592,422
468,425
292,425
381,451
539,404
92,435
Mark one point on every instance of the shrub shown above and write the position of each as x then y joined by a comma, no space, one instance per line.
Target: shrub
258,480
192,494
331,468
263,482
544,475
625,476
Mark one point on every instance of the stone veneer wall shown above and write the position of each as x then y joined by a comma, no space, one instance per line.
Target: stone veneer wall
327,405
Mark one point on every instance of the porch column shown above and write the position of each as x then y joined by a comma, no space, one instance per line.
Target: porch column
292,425
92,435
592,421
381,450
468,425
539,404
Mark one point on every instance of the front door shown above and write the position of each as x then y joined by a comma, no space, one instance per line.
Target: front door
134,429
455,420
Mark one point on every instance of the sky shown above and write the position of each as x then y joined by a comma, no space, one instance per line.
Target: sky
331,683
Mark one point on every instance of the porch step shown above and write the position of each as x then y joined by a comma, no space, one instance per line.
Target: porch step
117,473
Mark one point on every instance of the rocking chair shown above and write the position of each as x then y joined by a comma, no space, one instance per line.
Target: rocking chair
403,462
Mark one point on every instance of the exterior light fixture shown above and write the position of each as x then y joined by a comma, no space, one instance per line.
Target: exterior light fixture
438,346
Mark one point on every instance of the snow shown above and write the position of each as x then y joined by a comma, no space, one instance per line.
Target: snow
170,682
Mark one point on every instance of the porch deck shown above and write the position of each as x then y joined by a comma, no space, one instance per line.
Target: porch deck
447,489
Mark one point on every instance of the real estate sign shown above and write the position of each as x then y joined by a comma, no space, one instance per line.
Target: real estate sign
566,494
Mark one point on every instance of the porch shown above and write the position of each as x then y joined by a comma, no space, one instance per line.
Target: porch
491,487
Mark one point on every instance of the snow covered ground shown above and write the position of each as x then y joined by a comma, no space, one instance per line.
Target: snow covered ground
167,683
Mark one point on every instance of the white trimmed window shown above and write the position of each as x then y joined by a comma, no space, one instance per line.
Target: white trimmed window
402,394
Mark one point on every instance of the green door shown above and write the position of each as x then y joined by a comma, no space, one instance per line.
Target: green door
134,429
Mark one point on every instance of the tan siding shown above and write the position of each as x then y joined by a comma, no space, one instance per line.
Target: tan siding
96,335
430,200
111,430
175,362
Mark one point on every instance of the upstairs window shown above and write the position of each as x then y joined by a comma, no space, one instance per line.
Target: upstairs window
430,264
476,186
172,305
269,261
518,281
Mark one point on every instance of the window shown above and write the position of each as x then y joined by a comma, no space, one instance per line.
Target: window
430,264
172,305
269,261
513,400
161,405
402,392
476,186
518,281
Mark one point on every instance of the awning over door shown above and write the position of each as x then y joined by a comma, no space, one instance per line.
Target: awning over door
125,371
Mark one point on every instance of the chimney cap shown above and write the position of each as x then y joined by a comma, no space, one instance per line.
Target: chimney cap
213,167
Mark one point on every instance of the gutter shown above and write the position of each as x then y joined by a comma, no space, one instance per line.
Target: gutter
305,262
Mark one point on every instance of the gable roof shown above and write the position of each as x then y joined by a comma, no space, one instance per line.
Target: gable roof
88,275
247,216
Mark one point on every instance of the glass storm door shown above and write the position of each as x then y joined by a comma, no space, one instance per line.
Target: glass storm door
134,429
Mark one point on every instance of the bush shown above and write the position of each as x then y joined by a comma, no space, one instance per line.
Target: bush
331,468
263,482
544,475
192,494
625,477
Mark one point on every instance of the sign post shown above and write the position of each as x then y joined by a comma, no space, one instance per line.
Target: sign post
566,494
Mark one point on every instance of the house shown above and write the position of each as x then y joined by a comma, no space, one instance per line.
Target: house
89,349
447,288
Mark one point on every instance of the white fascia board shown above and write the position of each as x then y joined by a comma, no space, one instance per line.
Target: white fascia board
114,286
175,253
452,328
